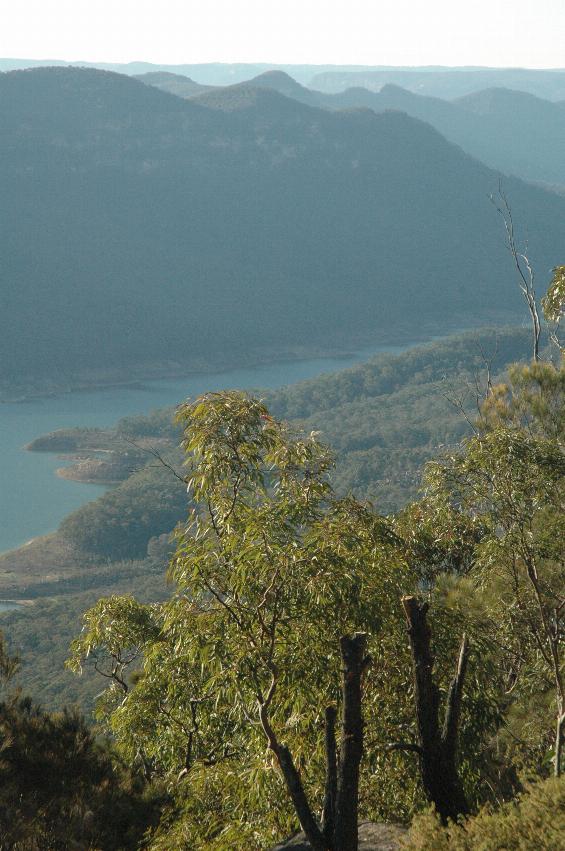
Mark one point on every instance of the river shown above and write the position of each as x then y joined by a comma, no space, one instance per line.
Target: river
33,500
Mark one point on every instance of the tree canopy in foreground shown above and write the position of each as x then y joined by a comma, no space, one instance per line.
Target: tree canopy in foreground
271,570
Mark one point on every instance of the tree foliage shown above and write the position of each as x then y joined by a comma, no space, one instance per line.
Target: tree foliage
553,304
536,820
270,570
510,478
59,787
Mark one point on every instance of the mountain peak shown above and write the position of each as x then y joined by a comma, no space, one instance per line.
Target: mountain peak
276,79
155,77
497,97
394,88
284,84
175,84
244,96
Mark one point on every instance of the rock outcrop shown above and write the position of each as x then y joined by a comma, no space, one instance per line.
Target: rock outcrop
372,837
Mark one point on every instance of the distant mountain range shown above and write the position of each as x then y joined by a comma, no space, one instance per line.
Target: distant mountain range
175,84
514,132
438,81
139,228
446,82
210,73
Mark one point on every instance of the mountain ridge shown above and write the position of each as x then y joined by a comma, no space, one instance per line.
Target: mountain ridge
514,132
141,227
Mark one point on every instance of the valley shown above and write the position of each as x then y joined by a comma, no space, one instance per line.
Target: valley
384,417
281,438
34,500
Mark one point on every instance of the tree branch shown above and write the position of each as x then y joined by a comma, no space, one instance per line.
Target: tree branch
453,707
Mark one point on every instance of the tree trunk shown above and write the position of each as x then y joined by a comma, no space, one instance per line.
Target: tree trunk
438,749
339,831
330,796
347,804
559,734
298,796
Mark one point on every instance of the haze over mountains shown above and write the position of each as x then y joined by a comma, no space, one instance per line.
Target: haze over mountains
439,81
175,84
212,73
447,82
514,132
143,229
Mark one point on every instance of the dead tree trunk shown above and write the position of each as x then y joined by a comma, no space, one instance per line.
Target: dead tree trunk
347,804
438,747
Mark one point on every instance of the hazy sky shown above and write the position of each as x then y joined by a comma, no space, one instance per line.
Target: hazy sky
526,33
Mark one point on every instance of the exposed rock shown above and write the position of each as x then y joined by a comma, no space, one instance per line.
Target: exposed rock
372,837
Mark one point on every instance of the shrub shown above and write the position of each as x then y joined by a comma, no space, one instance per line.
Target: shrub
536,820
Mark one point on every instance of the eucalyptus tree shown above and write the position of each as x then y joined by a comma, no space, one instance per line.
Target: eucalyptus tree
233,675
510,478
553,304
278,588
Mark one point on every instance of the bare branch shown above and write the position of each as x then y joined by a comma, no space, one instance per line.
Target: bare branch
453,708
150,450
522,265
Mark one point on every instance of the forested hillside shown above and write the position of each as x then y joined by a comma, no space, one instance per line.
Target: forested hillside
127,213
384,420
282,426
280,591
278,575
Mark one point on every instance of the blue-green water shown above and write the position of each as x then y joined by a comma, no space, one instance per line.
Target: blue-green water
33,500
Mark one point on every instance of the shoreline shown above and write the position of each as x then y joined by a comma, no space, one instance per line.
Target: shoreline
25,544
138,375
84,385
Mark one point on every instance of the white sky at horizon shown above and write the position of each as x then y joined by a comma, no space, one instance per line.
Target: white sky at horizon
499,33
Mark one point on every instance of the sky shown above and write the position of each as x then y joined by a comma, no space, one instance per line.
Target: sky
516,33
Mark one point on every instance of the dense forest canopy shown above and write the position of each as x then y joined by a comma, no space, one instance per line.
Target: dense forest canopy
385,419
334,565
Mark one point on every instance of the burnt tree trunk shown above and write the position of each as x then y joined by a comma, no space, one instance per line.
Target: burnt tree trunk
347,803
438,746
